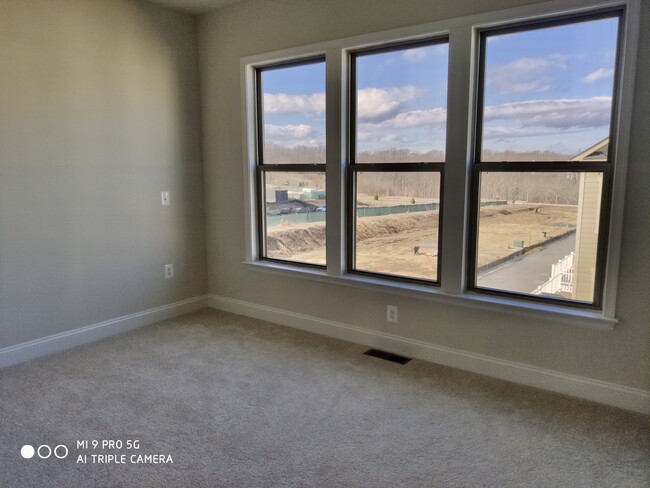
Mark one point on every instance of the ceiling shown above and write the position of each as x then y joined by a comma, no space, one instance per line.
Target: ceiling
195,6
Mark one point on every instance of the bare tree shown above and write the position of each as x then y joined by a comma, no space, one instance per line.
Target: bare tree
538,187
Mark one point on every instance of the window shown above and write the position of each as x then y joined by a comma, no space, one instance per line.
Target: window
507,130
542,168
291,162
399,108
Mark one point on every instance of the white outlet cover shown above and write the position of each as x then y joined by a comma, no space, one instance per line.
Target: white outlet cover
169,271
391,313
164,197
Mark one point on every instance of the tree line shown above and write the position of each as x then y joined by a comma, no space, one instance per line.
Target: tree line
537,187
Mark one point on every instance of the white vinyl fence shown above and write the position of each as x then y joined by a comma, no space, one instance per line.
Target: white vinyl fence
561,279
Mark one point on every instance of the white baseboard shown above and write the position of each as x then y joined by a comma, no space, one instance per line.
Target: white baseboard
65,340
595,390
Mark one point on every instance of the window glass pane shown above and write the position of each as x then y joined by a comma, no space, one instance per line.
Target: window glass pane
548,92
295,216
293,110
397,223
402,105
538,233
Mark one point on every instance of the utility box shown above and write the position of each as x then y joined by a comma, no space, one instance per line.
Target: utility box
281,195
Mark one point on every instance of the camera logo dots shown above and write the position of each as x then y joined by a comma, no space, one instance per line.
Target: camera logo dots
44,451
58,452
27,451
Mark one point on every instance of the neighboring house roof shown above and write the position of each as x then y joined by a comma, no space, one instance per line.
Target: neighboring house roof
597,152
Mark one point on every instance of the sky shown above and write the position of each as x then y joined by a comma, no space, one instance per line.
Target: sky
546,89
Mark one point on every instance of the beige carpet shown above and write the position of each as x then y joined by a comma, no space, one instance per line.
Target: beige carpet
238,402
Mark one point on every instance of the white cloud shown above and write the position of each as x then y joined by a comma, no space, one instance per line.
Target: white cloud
373,103
419,53
415,130
504,131
525,75
417,118
599,74
556,114
518,120
539,117
386,139
282,103
291,131
415,54
380,103
293,135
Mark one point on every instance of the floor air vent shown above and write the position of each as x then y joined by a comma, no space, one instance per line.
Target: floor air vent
388,356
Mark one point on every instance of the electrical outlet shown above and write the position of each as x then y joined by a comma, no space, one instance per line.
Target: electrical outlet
164,197
169,271
391,313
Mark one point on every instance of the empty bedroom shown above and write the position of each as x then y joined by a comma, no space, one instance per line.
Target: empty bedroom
324,243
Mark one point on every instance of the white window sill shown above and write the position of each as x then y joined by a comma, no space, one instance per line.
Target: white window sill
574,316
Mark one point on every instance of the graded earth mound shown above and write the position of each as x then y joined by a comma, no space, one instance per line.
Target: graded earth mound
386,243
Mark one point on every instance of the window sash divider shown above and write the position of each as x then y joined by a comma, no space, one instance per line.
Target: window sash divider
545,166
293,167
398,167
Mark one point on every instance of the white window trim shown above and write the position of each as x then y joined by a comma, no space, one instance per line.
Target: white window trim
463,47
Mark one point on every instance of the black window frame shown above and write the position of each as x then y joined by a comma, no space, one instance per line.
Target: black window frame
607,168
261,168
353,167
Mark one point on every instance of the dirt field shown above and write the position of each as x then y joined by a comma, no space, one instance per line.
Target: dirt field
386,244
533,224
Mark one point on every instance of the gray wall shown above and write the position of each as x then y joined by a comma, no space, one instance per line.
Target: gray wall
621,356
99,112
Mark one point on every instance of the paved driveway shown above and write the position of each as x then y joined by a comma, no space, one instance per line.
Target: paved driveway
526,273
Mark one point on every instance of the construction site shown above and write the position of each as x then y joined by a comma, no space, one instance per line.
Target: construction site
405,244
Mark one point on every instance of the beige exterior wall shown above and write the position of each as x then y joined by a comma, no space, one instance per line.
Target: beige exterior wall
587,235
